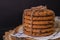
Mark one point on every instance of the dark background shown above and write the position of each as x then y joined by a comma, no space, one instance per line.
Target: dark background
11,11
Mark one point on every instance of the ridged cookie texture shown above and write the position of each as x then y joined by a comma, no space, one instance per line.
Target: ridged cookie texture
38,21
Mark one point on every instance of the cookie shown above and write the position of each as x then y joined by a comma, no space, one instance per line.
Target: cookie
27,33
43,26
43,22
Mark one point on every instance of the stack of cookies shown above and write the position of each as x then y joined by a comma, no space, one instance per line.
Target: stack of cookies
38,21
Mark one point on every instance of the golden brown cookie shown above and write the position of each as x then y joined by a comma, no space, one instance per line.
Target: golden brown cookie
40,34
47,30
27,33
47,34
36,30
39,18
43,26
27,12
43,22
28,29
43,18
42,14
